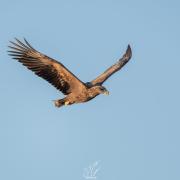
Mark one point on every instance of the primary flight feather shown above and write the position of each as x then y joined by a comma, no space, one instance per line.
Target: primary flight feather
60,77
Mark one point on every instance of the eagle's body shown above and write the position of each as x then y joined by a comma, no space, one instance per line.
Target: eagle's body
59,76
83,95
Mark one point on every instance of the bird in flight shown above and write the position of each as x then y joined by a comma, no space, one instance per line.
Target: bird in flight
60,77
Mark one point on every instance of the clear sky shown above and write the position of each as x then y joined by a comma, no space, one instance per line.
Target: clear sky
134,132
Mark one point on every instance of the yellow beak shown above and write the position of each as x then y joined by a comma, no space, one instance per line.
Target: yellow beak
106,93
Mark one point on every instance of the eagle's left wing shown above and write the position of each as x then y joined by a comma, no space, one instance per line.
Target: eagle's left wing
47,68
114,68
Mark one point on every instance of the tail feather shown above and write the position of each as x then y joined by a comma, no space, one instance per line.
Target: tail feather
60,102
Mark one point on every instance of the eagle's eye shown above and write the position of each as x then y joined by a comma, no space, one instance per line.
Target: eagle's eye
104,90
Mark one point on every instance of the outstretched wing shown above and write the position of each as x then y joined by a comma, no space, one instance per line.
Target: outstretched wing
116,67
47,68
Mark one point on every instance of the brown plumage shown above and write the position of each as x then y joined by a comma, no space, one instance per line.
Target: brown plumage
60,77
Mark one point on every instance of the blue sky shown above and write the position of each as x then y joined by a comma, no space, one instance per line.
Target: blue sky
134,132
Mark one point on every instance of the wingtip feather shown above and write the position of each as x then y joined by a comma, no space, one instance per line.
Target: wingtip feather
128,53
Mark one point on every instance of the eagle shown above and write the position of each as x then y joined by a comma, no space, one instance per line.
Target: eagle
60,77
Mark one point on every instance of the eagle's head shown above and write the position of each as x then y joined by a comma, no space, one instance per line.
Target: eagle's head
101,90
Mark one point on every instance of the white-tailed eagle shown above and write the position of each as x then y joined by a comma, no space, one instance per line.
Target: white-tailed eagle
60,77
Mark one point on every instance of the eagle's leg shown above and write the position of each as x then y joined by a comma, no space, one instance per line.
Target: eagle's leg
66,103
59,102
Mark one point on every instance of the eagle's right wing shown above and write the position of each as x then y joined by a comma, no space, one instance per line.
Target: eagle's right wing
114,68
47,68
